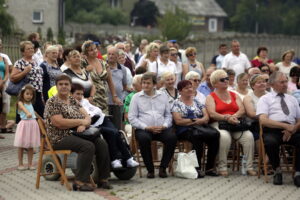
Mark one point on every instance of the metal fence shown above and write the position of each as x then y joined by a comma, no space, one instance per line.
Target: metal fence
11,47
276,44
207,46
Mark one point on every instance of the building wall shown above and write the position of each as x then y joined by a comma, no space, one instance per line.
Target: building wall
22,10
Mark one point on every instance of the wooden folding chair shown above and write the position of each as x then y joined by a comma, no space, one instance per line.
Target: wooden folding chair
46,149
154,150
283,156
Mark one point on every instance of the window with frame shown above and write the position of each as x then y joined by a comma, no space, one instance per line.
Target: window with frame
212,25
37,16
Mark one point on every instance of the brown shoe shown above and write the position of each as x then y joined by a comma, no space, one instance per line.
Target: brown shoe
251,173
162,173
223,173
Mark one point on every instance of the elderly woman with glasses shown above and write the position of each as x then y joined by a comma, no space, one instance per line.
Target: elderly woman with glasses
223,105
242,85
259,85
194,77
189,112
192,63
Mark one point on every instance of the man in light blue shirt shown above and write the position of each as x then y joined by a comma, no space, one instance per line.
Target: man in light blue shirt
206,87
149,113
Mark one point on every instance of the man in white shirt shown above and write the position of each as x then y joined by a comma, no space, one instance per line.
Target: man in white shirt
149,113
236,60
279,113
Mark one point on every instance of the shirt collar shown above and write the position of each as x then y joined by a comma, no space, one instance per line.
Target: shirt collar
275,94
156,93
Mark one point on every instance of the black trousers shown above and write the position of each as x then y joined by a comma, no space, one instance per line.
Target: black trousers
212,141
273,139
117,115
86,151
113,138
167,137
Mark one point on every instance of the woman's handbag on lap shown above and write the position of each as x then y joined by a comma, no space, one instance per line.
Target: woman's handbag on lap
90,134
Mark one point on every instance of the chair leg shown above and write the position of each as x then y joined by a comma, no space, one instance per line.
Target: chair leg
259,160
62,173
264,162
38,177
64,163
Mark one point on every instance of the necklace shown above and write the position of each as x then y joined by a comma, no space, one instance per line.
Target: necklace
81,75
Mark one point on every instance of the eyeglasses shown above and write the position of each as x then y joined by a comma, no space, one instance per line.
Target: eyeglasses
196,80
265,70
173,54
224,79
191,54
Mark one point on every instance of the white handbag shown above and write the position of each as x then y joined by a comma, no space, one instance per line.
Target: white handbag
186,163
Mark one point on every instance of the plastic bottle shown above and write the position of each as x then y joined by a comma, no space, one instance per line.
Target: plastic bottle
243,168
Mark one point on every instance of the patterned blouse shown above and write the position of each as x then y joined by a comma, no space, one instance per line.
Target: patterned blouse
55,106
100,82
35,76
188,112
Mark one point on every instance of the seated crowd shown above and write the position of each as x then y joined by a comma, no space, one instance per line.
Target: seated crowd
161,93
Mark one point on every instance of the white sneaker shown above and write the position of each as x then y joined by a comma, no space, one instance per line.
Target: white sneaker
132,163
116,164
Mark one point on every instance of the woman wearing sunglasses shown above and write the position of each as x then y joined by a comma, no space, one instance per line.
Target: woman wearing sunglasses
223,105
192,63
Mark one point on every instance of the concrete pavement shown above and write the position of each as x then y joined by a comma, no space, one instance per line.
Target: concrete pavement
16,185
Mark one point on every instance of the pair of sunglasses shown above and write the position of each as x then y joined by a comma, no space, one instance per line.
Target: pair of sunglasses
224,79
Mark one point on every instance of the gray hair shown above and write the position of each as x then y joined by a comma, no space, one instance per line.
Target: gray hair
51,48
191,75
216,75
121,52
275,75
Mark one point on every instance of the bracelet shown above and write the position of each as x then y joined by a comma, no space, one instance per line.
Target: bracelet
115,95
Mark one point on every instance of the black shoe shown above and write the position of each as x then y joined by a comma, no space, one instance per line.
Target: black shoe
297,181
83,188
104,185
211,173
150,175
162,173
201,174
277,179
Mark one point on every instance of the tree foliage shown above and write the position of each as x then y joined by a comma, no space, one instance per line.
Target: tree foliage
6,20
263,16
174,25
144,13
94,11
49,34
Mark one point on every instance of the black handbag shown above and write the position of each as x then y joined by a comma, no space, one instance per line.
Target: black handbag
90,134
242,126
205,128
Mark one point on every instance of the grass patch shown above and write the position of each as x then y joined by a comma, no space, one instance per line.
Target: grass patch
12,113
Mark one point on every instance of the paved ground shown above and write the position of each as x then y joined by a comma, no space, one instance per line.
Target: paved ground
16,185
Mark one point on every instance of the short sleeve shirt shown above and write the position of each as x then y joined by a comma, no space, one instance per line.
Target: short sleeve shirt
35,76
55,106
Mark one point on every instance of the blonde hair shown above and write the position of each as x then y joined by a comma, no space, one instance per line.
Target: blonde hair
51,48
191,75
255,78
150,48
23,45
73,52
167,74
216,75
190,50
87,44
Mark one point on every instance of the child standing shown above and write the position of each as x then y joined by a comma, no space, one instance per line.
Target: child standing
28,133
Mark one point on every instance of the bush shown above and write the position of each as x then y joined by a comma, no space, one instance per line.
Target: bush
174,25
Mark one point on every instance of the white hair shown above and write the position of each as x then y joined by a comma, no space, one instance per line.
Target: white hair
191,75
